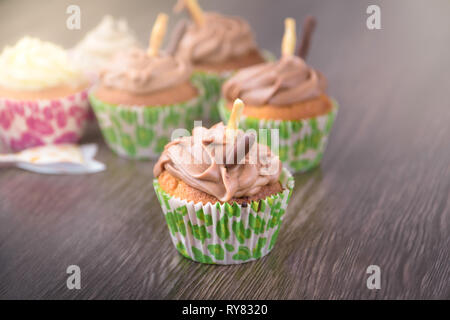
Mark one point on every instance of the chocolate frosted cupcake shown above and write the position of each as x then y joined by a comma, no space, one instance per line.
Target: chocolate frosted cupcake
287,95
43,96
223,44
141,98
217,45
223,196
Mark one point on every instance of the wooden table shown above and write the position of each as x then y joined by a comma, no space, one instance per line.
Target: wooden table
380,197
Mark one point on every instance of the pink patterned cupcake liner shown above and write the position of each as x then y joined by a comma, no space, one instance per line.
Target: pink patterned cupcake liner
25,124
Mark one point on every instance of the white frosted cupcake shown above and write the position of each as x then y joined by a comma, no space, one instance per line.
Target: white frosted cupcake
43,95
99,45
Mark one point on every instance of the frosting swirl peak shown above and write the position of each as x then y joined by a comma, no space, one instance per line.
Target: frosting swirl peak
219,165
283,82
36,65
135,71
220,39
100,44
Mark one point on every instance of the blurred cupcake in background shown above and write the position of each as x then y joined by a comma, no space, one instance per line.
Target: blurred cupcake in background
287,95
99,45
224,196
143,96
216,45
43,95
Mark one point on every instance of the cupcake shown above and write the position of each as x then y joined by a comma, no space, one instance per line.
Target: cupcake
216,45
223,195
43,96
143,96
99,45
287,95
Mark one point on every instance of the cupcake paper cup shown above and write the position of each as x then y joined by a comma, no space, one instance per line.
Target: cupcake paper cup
225,233
301,143
141,132
212,84
25,124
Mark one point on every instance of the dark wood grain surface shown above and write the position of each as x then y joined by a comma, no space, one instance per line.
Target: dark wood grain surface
380,197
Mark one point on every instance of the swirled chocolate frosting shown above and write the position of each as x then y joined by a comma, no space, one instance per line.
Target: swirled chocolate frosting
283,82
135,71
220,165
220,38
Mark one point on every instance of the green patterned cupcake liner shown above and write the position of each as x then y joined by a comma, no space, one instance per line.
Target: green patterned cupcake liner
141,132
301,142
225,233
212,83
